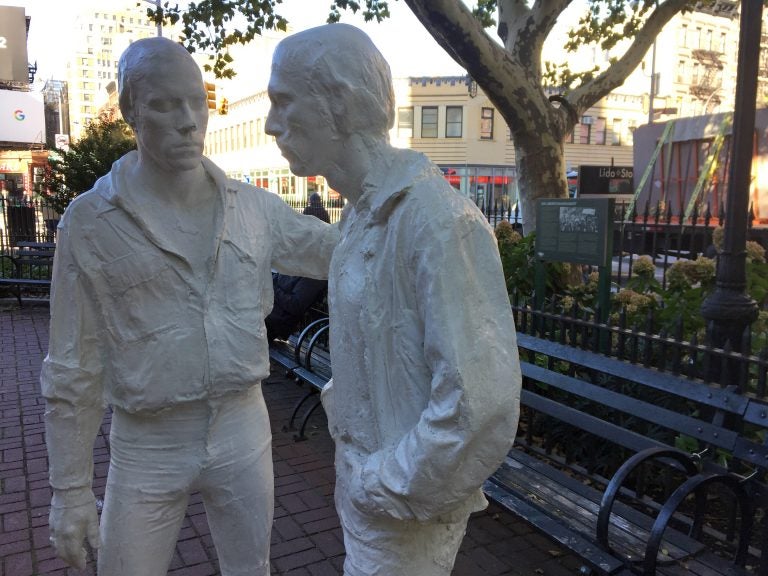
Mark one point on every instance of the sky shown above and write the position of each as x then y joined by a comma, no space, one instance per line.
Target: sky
402,39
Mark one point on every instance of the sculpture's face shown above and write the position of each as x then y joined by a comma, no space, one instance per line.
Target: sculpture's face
170,114
300,122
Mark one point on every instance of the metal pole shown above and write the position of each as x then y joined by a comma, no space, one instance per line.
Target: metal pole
729,310
653,84
158,5
159,24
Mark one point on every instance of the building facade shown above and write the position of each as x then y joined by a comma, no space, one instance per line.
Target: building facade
449,119
690,70
100,36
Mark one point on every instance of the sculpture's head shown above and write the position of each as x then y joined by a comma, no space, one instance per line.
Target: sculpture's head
163,98
327,83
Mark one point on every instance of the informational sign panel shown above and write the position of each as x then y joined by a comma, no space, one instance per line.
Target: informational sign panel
21,117
574,230
13,44
605,180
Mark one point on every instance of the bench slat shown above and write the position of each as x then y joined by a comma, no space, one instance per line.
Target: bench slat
654,379
587,422
669,419
581,546
577,505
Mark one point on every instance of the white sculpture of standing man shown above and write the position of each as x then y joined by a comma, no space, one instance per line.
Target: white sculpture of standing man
424,400
162,280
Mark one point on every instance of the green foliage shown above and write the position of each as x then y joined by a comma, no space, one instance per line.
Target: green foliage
561,76
374,10
484,12
757,282
211,26
76,170
606,22
518,260
679,302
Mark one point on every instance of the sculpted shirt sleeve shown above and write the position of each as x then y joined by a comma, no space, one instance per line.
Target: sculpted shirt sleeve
470,346
303,244
71,373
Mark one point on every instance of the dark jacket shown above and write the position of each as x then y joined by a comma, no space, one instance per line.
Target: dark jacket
294,296
315,208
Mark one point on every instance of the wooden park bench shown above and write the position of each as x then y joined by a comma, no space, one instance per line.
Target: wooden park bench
28,268
637,471
306,359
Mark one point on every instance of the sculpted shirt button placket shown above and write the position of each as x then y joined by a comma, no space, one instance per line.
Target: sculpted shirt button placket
209,289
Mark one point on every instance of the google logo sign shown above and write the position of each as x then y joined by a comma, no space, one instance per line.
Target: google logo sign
19,115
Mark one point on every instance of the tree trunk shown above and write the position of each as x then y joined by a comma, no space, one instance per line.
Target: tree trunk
540,173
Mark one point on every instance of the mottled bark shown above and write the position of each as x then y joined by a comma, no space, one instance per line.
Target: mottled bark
510,75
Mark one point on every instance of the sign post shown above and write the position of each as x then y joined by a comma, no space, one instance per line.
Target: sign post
578,231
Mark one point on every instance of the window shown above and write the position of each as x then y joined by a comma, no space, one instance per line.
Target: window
405,122
585,130
684,35
598,131
616,132
681,72
631,125
429,122
453,121
486,124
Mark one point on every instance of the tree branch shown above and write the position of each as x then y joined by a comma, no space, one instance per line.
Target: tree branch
584,96
458,32
528,30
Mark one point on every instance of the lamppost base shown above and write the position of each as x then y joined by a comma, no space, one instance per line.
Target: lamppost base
728,314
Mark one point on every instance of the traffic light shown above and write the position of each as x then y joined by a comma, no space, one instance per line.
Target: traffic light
224,106
210,89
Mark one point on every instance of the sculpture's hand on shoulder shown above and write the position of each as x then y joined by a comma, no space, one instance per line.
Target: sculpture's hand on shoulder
71,521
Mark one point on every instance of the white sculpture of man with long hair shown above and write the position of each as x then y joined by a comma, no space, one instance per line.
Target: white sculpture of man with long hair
424,401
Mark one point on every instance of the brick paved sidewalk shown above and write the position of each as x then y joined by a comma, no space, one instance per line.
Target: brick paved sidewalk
306,539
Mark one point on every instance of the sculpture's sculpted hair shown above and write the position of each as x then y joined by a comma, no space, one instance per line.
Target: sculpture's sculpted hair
137,61
343,66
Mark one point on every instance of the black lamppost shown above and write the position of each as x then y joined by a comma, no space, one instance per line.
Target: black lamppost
729,310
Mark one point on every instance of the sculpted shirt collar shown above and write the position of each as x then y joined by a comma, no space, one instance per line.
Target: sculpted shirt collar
120,195
391,177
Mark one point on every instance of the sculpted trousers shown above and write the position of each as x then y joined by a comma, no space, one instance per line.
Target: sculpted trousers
222,448
388,547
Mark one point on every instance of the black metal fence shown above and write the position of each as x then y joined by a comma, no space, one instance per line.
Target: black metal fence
648,343
654,233
26,221
333,208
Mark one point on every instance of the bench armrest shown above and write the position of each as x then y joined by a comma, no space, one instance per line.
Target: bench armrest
307,333
621,475
697,484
